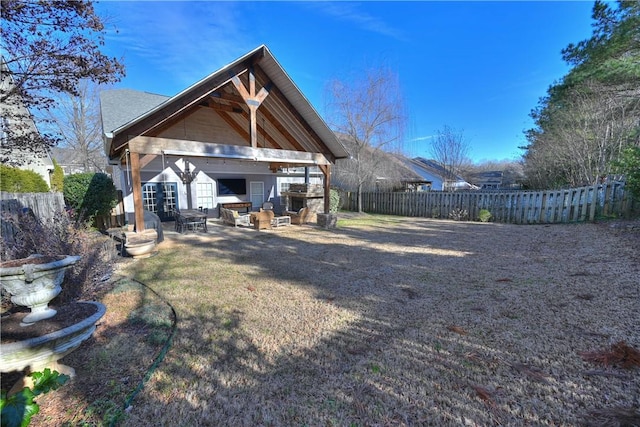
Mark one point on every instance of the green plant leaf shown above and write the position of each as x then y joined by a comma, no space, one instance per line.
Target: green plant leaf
47,380
18,408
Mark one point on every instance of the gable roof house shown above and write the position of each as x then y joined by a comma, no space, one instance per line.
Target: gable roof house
15,119
380,171
71,161
435,174
226,139
488,180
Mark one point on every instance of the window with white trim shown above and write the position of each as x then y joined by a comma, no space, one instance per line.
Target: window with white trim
204,194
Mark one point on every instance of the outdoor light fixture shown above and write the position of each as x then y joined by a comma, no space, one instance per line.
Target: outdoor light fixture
187,176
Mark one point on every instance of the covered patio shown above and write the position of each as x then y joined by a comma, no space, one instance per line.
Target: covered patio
247,121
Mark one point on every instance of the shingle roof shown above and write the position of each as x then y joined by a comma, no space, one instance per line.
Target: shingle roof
121,106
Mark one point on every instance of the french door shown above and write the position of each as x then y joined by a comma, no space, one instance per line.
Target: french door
161,198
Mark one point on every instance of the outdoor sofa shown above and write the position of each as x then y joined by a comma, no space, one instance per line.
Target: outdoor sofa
234,218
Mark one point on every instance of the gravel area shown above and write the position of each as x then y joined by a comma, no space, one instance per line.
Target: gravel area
400,321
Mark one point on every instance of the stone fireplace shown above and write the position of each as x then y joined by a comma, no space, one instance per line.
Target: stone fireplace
305,196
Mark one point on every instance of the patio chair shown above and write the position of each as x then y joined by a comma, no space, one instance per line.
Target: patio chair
262,219
299,217
180,222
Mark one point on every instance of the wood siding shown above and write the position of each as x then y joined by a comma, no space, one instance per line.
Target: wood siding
205,125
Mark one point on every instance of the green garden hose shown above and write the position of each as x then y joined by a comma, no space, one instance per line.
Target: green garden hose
165,348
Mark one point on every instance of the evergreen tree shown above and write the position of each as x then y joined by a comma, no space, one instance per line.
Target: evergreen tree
57,178
586,120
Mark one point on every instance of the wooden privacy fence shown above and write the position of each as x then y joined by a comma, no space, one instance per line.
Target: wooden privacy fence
518,207
46,206
43,205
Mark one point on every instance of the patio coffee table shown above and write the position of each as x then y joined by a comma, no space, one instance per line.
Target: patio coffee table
280,220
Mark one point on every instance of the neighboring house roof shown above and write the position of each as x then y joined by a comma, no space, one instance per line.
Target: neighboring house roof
127,112
71,161
421,169
387,167
436,169
490,179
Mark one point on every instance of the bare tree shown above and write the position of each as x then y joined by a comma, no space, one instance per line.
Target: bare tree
450,149
579,142
76,121
47,47
368,112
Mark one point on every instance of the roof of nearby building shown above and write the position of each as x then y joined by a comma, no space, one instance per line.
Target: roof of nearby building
489,178
394,162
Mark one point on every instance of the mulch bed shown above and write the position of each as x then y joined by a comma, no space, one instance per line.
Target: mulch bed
67,315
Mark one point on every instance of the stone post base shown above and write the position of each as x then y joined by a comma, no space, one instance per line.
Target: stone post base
327,220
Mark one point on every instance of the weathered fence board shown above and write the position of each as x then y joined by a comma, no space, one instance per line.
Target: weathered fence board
518,207
43,205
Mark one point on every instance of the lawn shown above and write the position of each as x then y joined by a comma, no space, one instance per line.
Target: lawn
382,321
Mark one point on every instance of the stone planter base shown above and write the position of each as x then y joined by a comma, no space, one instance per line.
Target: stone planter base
39,352
327,220
140,248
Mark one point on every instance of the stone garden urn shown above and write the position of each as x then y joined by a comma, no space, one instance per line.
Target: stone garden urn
34,281
39,339
140,248
141,244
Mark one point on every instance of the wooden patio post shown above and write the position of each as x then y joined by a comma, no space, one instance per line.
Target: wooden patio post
137,191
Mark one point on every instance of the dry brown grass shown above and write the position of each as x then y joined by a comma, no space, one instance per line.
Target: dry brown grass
390,321
620,355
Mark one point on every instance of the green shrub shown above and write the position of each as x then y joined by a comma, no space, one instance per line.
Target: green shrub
629,166
484,215
90,194
334,200
57,177
14,180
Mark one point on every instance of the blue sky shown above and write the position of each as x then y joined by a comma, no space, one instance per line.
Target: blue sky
478,67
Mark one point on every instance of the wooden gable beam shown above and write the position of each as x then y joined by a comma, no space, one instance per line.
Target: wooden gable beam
276,123
253,101
243,133
234,125
275,93
159,118
181,147
227,97
216,105
267,114
148,158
